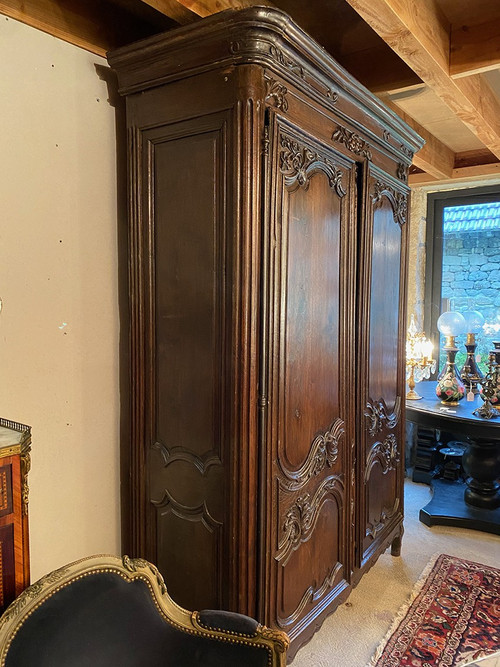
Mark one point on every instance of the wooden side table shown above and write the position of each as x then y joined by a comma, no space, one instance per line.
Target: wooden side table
15,462
475,504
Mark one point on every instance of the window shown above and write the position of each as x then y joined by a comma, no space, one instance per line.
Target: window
463,262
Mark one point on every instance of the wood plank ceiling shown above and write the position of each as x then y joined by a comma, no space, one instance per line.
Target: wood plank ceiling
434,62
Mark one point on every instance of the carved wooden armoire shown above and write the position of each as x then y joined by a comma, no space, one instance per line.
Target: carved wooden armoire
268,216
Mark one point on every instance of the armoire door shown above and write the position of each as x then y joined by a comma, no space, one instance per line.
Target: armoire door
380,370
307,396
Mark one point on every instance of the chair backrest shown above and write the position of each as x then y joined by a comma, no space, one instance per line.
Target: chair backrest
105,611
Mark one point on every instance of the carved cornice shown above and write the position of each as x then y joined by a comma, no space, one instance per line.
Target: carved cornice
375,528
280,57
276,94
378,418
398,200
302,516
299,162
352,142
386,453
323,453
311,595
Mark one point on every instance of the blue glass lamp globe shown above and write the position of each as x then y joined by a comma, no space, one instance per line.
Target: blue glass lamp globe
473,321
451,323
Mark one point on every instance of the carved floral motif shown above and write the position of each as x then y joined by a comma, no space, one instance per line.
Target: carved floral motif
402,172
377,417
322,453
302,517
352,142
298,163
138,564
276,94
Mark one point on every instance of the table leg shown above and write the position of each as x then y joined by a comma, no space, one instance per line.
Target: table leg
481,462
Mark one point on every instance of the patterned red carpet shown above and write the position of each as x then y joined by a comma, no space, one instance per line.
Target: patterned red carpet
453,618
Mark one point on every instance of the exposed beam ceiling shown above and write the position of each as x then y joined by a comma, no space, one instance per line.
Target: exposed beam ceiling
447,44
475,48
420,34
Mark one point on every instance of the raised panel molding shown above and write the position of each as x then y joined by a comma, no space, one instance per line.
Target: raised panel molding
374,528
201,463
311,596
301,518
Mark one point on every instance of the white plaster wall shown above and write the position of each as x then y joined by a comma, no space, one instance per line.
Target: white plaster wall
59,325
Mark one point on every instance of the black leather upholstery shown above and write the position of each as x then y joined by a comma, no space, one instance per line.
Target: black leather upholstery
101,620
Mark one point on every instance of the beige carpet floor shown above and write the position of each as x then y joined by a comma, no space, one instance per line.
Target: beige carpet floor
349,637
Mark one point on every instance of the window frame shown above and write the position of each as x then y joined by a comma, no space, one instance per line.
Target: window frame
436,203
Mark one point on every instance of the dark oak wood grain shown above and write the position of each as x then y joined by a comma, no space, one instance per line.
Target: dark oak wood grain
267,257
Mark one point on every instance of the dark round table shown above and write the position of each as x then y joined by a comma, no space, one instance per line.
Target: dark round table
477,505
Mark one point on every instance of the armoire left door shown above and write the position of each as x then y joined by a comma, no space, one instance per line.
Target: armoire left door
307,350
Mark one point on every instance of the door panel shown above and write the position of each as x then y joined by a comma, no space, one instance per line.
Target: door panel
311,242
381,381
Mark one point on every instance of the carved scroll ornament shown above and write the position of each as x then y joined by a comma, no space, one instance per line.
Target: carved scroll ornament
386,453
398,200
276,94
323,453
378,418
302,516
299,162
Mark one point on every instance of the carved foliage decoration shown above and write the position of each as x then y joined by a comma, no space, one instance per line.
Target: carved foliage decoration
377,417
386,453
352,142
399,201
402,172
276,94
299,162
302,516
323,453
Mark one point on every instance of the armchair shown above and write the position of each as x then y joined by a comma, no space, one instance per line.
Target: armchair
105,611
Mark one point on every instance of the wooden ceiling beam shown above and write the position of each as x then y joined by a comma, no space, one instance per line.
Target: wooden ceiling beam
60,20
420,35
481,172
175,10
208,7
435,158
474,48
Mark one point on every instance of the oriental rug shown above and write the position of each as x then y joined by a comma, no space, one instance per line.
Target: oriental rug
452,618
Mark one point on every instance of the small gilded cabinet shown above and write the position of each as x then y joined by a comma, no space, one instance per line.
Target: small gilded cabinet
267,226
15,447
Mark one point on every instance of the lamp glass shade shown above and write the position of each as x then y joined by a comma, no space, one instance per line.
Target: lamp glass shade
473,321
451,323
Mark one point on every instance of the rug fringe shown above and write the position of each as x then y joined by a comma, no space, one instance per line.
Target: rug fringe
404,609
